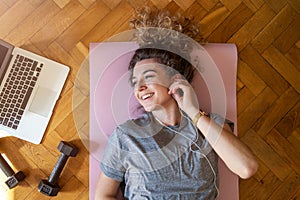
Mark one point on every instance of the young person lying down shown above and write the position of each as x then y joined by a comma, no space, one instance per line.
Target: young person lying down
171,151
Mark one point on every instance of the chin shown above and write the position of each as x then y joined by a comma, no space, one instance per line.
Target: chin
148,109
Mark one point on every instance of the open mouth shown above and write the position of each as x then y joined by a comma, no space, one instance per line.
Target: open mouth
147,96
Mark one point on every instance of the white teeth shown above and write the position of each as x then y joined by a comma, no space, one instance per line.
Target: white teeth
146,96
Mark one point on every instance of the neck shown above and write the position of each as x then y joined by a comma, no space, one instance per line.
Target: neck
169,117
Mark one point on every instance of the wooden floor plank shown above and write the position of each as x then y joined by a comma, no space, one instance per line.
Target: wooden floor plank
62,3
273,29
267,186
211,21
72,190
112,3
294,55
254,5
258,107
288,188
288,37
201,12
250,78
231,4
262,171
9,3
245,97
160,4
247,189
283,66
57,25
271,159
184,4
87,3
264,70
290,122
284,149
280,108
294,139
295,5
13,16
33,23
263,189
3,7
252,27
276,5
109,23
83,25
238,17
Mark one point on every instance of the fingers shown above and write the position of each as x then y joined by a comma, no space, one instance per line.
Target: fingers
184,94
179,90
178,87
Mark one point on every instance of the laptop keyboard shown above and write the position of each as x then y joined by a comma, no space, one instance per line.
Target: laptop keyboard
17,90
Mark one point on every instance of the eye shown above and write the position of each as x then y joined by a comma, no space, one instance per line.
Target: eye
149,76
133,83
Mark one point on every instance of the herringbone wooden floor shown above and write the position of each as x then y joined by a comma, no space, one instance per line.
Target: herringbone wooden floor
267,34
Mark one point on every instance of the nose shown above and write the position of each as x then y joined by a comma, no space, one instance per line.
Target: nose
140,85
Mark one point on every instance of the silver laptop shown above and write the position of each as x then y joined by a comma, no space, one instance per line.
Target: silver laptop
29,88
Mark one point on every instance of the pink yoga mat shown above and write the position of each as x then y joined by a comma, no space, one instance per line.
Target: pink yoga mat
111,98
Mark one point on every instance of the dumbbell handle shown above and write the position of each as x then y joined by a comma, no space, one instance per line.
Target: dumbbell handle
53,179
8,171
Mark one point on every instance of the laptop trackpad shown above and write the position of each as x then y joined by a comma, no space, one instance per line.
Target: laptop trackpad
43,101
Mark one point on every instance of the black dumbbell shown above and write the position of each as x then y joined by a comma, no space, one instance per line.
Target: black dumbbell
50,187
13,178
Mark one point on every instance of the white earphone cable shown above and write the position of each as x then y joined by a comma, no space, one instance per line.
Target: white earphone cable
195,143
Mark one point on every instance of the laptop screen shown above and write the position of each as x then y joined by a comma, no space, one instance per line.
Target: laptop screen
3,52
5,56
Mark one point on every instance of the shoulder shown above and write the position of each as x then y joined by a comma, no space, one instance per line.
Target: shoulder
132,126
141,123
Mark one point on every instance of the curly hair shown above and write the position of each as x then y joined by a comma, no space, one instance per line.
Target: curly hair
166,38
162,19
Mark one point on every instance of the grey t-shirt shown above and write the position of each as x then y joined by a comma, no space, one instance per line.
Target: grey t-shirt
159,162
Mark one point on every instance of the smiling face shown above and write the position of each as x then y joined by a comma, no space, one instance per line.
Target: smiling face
151,85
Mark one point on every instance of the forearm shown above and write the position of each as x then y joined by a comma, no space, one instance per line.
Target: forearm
101,196
236,155
105,198
106,188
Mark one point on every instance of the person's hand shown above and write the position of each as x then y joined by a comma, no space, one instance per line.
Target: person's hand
184,94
